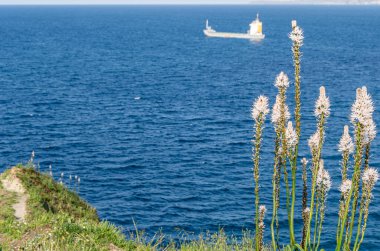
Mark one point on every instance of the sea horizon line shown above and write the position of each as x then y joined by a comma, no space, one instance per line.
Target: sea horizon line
191,4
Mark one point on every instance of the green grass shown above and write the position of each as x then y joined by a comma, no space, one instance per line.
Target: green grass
58,219
7,199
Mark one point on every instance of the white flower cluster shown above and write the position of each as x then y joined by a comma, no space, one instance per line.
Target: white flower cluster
362,109
282,80
345,187
361,112
297,36
322,105
306,210
260,107
313,141
291,136
369,133
276,112
370,176
323,178
262,209
345,143
304,161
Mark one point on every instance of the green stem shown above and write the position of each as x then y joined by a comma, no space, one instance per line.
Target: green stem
297,114
297,78
256,159
284,156
366,159
368,200
278,180
315,173
346,207
286,179
304,203
363,232
362,207
355,184
291,222
341,210
345,158
357,164
322,216
275,190
316,219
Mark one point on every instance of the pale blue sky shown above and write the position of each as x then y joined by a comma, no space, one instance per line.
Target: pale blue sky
182,1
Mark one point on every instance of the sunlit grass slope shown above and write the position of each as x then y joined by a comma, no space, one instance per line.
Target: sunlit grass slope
58,219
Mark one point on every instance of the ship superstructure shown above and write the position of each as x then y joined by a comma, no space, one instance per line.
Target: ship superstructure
254,33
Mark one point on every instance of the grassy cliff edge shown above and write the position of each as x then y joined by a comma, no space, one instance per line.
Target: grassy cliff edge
56,218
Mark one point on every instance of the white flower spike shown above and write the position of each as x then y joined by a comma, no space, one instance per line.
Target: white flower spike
260,107
369,133
276,111
322,106
323,178
297,36
291,136
362,109
282,80
345,187
370,176
262,210
313,141
304,161
345,143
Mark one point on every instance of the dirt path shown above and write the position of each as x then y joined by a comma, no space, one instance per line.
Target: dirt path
13,184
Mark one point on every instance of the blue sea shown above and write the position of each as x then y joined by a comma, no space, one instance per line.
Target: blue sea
155,118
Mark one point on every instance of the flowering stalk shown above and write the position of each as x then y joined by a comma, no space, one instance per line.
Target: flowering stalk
284,155
362,111
305,217
321,219
304,200
323,186
346,147
297,38
278,180
369,136
292,140
280,112
366,156
357,163
275,195
317,204
297,41
280,116
262,211
286,176
370,177
259,111
322,111
345,188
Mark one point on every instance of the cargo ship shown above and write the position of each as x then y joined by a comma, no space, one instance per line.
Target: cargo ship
254,33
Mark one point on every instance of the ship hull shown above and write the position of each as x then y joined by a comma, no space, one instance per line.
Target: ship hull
233,35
